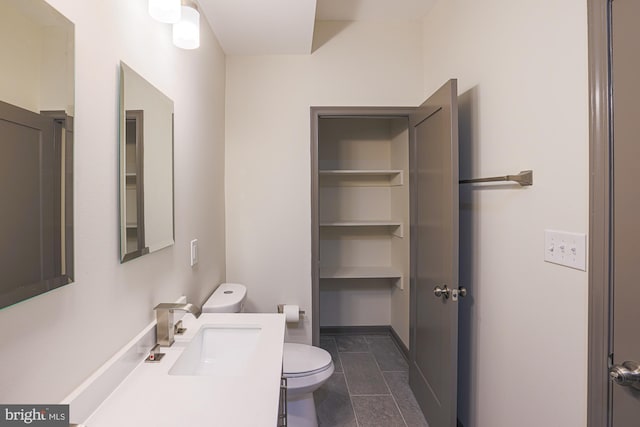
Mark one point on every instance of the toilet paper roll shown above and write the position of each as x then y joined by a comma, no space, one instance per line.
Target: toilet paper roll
291,313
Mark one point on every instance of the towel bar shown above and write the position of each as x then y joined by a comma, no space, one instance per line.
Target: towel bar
524,178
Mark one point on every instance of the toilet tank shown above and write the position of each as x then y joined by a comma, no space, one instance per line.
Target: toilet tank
228,298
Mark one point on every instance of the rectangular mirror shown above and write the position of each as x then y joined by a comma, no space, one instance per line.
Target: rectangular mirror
36,149
146,167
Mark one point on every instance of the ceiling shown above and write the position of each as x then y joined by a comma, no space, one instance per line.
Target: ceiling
372,10
272,27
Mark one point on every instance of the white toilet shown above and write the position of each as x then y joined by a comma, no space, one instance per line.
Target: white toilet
305,367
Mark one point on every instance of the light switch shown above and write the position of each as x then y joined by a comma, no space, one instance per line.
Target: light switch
194,252
564,248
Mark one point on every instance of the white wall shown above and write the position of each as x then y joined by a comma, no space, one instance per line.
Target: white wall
363,303
268,147
522,70
58,339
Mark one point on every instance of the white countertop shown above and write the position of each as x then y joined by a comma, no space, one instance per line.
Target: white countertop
149,396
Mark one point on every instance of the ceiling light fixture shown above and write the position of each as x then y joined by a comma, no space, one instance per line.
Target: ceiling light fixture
186,32
167,11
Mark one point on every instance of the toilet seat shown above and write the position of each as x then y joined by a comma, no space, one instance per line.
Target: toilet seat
301,360
306,368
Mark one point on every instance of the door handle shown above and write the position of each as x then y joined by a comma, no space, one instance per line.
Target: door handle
442,292
627,374
446,292
461,292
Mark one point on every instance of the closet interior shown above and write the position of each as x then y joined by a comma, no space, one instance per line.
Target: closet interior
363,221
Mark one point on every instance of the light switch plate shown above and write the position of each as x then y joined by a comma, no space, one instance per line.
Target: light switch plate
564,248
194,252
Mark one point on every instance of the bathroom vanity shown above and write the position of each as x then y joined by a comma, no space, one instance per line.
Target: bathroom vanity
224,371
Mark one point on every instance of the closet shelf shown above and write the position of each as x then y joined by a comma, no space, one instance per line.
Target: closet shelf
333,272
365,223
361,177
372,172
396,226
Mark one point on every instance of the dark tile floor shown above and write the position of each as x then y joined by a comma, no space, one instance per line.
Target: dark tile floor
369,387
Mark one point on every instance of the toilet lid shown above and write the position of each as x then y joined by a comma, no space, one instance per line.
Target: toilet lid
304,359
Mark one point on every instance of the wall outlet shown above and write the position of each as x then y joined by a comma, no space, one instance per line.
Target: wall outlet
194,252
568,249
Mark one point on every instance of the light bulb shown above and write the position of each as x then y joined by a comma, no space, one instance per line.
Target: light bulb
167,11
186,33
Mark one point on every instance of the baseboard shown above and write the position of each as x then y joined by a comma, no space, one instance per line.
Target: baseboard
403,348
368,330
355,330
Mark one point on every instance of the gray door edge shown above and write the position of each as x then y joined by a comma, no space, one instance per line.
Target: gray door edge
599,214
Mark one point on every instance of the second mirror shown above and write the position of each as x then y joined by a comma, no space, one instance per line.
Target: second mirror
146,167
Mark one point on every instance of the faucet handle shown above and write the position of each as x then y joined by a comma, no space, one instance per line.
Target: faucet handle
171,307
167,306
154,355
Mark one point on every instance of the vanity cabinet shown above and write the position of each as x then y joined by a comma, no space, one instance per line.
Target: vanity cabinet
363,217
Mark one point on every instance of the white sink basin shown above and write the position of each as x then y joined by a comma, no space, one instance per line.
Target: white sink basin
221,350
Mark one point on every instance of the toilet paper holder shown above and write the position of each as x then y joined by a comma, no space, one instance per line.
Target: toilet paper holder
281,310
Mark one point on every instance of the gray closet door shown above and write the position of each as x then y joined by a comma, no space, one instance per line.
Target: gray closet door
434,256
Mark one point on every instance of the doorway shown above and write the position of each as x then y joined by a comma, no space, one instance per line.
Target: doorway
359,181
432,155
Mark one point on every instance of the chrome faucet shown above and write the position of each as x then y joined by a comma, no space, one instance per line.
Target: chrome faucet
164,320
